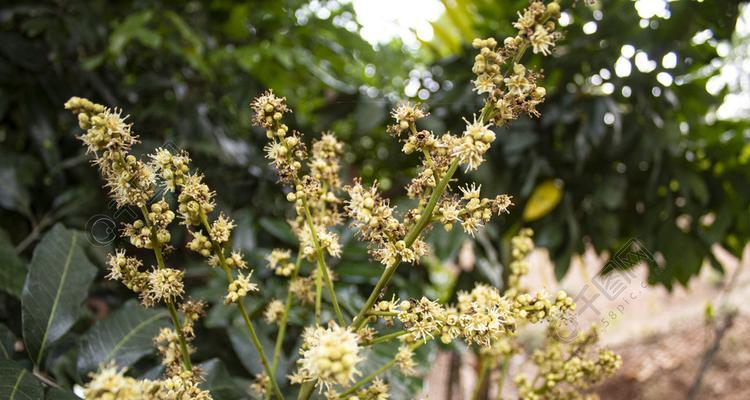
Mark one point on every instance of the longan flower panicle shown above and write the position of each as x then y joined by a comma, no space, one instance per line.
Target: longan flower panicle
421,318
268,109
200,244
567,370
514,91
286,151
373,219
154,232
127,270
280,262
328,354
273,312
406,115
106,129
164,285
475,142
302,289
377,390
260,384
327,239
386,310
405,360
109,138
168,345
324,162
221,229
170,167
193,310
239,288
195,198
521,246
539,307
110,383
485,315
371,215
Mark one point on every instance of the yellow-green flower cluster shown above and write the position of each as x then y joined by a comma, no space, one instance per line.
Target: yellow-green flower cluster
110,383
377,390
273,311
154,232
164,285
109,138
515,92
302,289
239,288
538,307
127,270
329,355
566,371
470,210
195,199
485,315
172,168
279,261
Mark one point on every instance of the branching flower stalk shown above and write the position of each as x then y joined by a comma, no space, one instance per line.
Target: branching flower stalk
219,253
331,354
187,364
132,182
285,316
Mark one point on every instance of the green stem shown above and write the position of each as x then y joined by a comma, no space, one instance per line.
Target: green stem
318,295
385,338
285,315
483,368
411,237
322,267
219,251
503,373
383,314
187,365
259,347
374,375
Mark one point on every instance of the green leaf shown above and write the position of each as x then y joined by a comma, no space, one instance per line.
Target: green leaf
123,337
59,394
57,283
17,383
278,228
12,268
219,382
7,343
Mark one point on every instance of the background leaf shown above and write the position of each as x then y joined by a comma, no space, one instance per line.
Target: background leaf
219,382
7,343
123,337
12,267
16,383
57,283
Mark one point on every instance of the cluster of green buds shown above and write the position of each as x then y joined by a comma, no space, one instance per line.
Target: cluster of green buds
567,370
377,390
172,168
154,232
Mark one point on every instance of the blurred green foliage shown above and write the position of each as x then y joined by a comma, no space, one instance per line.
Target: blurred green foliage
614,157
599,167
